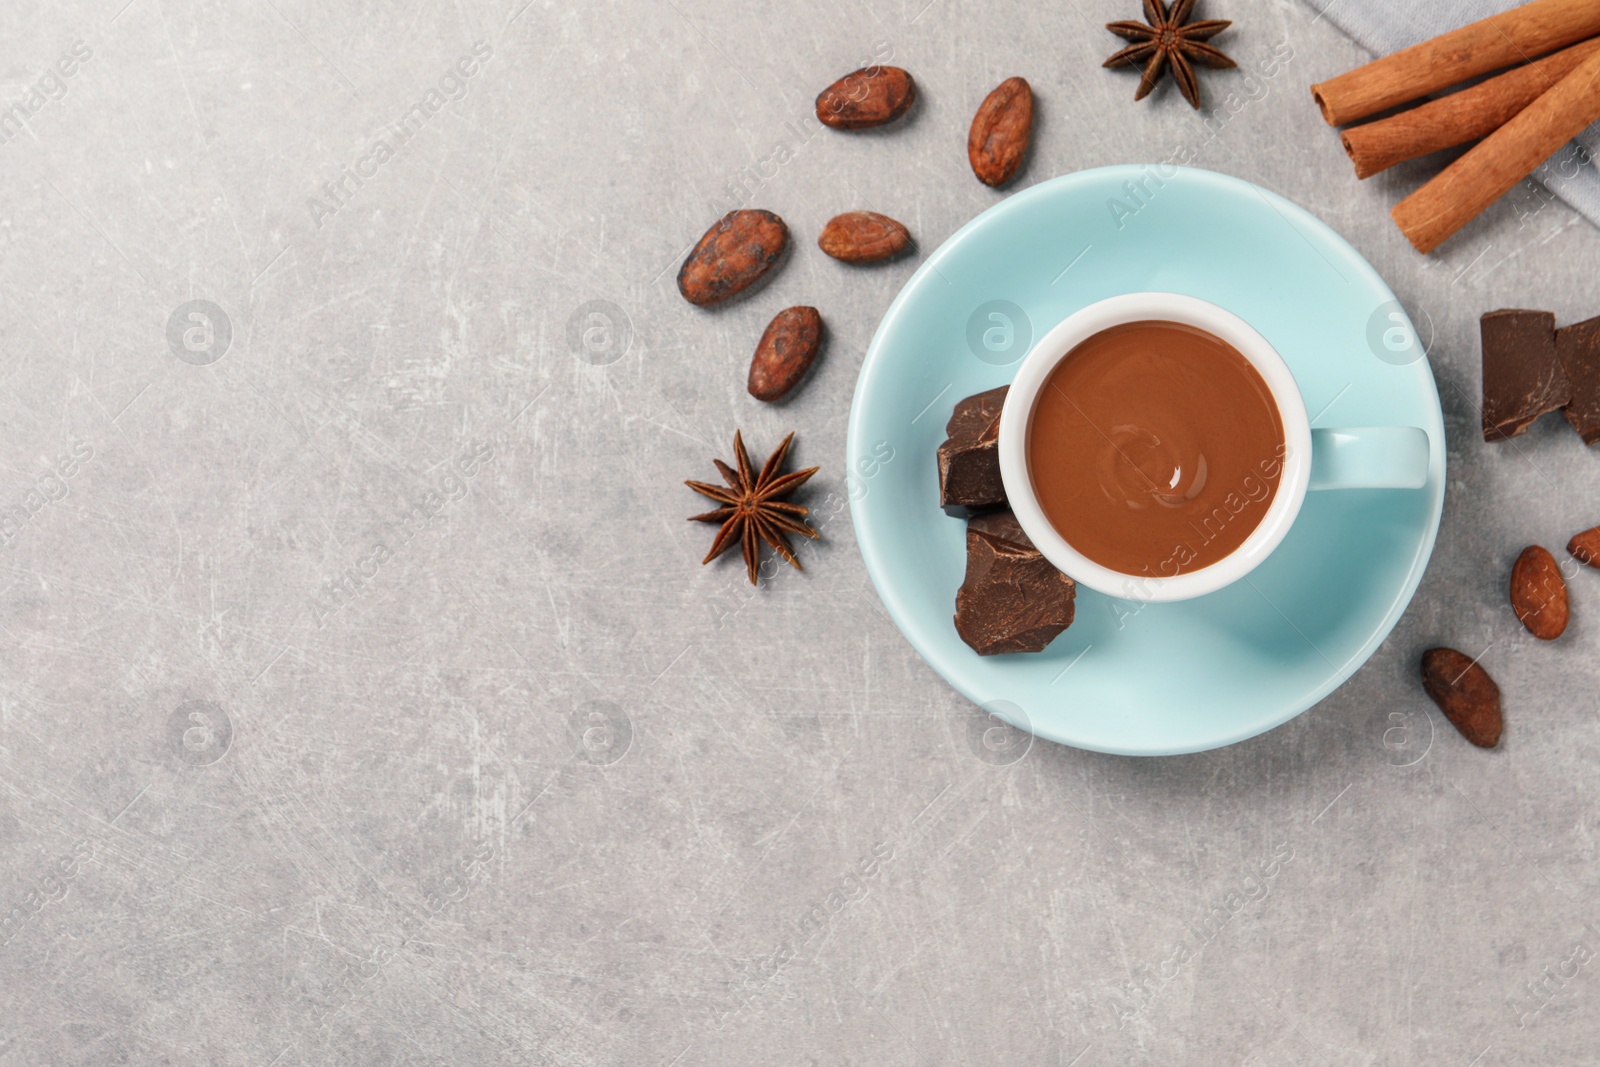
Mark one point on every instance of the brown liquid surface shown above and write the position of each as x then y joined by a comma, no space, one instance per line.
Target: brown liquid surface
1155,448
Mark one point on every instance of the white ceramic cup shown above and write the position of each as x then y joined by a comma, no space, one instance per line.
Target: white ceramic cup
1395,457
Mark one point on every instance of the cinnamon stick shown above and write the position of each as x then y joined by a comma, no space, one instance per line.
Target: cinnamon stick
1477,48
1460,117
1460,192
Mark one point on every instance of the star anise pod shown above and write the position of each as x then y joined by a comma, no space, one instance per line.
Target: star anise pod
1166,40
753,509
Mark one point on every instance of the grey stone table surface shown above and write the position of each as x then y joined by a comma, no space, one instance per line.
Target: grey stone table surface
536,787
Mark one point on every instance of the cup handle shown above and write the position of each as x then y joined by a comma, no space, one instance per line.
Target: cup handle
1372,457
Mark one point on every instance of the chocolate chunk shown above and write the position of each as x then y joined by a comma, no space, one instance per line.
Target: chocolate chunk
1578,346
1012,600
1002,526
1522,377
969,459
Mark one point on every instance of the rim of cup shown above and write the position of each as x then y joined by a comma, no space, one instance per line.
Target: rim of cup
1048,352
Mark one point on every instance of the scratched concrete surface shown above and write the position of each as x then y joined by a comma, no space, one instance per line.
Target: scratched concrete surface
536,787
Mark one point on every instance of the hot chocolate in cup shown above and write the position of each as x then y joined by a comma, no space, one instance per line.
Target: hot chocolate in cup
1155,447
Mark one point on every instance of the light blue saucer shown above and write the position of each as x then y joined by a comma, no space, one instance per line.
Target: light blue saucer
1161,678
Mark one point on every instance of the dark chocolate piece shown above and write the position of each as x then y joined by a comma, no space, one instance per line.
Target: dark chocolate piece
1522,377
1578,346
1012,600
1002,526
969,459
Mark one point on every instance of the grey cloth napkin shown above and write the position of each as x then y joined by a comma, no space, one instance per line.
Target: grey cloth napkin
1384,26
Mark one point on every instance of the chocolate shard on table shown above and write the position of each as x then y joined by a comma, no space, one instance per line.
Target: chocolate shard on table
1578,347
969,459
1012,600
1522,375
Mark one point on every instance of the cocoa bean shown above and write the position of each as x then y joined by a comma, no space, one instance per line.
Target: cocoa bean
738,250
787,349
